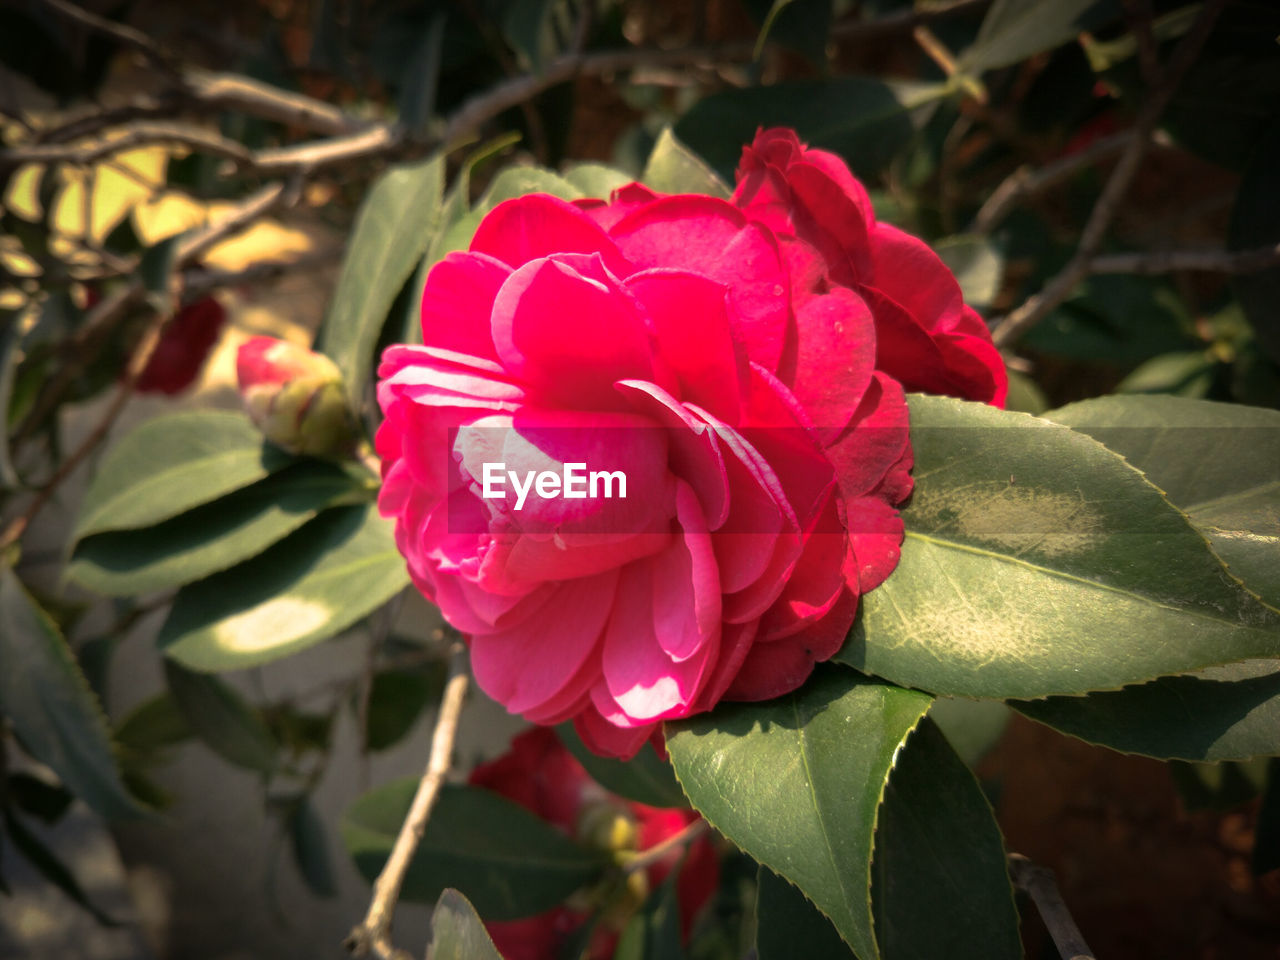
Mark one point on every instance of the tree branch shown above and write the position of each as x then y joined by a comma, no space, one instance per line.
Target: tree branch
1039,884
1059,288
126,35
647,858
1173,261
373,935
1027,181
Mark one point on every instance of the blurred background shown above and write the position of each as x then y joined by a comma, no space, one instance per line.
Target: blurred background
994,143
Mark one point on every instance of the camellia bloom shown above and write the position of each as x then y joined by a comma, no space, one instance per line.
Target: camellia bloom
926,337
183,348
295,396
714,358
541,775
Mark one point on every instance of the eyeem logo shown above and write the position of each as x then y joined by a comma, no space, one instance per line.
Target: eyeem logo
574,484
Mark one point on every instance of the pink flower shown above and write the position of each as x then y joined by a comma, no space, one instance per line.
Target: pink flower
542,776
926,337
183,348
721,370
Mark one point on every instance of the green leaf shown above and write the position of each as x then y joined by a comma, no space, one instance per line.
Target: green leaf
397,699
674,168
864,119
1014,30
457,933
972,727
50,867
653,933
1038,562
1186,373
10,357
1025,396
421,78
797,782
941,886
1218,462
222,719
527,28
802,25
517,181
211,537
311,849
977,264
1230,712
507,861
644,778
170,465
596,180
390,235
153,725
54,714
789,926
307,588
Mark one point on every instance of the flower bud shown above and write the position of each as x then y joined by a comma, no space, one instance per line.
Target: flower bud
295,396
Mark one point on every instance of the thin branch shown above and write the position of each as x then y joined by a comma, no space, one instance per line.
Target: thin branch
1039,884
142,133
1027,181
103,317
126,35
647,858
1059,288
146,347
1173,261
373,935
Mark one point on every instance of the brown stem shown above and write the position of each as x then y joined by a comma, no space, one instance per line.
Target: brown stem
1059,288
647,858
373,935
1172,261
1039,884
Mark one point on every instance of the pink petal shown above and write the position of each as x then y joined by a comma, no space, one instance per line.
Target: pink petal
526,666
690,319
569,338
686,584
457,300
708,236
875,541
875,441
816,582
538,225
607,740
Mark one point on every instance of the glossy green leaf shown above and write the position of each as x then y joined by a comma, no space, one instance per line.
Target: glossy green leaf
211,537
941,889
457,932
311,849
1014,30
222,719
170,465
864,119
153,725
509,863
977,264
309,587
644,778
675,168
1025,396
1230,712
1037,562
972,727
797,782
517,181
653,933
396,701
54,714
391,234
789,926
1218,462
596,180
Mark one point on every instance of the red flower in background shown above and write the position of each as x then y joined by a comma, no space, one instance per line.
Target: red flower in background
541,775
183,348
926,337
